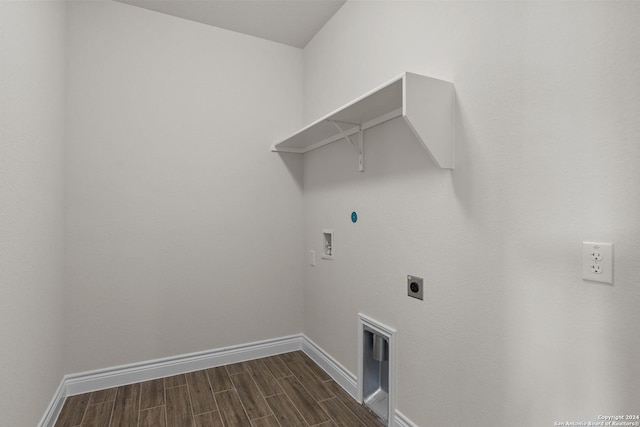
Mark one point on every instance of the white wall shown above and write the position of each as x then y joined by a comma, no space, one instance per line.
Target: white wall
547,156
32,64
184,231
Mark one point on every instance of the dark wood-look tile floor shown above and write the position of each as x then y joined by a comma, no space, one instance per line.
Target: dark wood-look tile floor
287,390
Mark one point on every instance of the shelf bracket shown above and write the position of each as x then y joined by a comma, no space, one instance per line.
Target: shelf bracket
359,146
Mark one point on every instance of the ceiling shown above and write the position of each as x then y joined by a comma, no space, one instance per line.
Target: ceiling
292,22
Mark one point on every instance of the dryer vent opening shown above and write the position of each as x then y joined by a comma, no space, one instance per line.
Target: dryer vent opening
376,373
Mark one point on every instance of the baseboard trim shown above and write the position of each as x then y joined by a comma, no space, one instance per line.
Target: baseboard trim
342,376
335,370
136,372
100,379
401,420
55,406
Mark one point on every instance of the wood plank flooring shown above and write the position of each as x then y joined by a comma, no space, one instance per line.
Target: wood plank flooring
287,390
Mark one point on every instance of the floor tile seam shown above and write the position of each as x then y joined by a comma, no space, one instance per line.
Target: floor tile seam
314,400
264,396
219,411
164,394
267,367
113,409
288,376
246,414
242,403
264,372
305,362
331,417
138,407
302,364
266,416
210,382
363,423
226,389
362,419
269,395
284,361
213,394
84,413
329,398
174,386
103,401
366,412
276,357
208,412
193,416
96,404
191,399
302,383
153,407
292,404
226,368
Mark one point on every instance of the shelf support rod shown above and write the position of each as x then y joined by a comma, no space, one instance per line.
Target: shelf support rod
359,146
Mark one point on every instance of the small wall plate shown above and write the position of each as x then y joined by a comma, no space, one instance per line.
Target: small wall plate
415,287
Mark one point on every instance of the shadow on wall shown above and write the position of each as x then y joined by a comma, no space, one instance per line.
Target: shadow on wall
463,153
293,163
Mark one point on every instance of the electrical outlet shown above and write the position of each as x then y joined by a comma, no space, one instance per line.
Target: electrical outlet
595,254
415,287
597,262
312,258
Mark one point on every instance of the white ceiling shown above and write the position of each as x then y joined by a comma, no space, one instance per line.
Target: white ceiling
292,22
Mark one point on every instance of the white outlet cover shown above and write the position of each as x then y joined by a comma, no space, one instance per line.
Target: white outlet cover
597,262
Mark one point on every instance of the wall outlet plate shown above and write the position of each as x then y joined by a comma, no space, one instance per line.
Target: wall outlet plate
415,287
597,262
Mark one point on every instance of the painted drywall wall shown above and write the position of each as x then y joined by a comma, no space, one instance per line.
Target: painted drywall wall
32,64
547,157
184,232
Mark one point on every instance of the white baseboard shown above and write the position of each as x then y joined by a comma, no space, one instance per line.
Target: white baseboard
53,410
86,382
401,420
331,366
342,376
137,372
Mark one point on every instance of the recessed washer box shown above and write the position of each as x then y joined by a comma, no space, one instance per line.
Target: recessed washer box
327,243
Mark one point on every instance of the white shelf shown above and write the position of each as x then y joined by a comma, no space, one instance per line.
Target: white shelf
425,103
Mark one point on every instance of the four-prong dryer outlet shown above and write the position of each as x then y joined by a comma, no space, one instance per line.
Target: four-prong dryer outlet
415,287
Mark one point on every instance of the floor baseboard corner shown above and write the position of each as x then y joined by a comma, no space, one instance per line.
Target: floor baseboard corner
86,382
100,379
55,406
401,420
339,373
